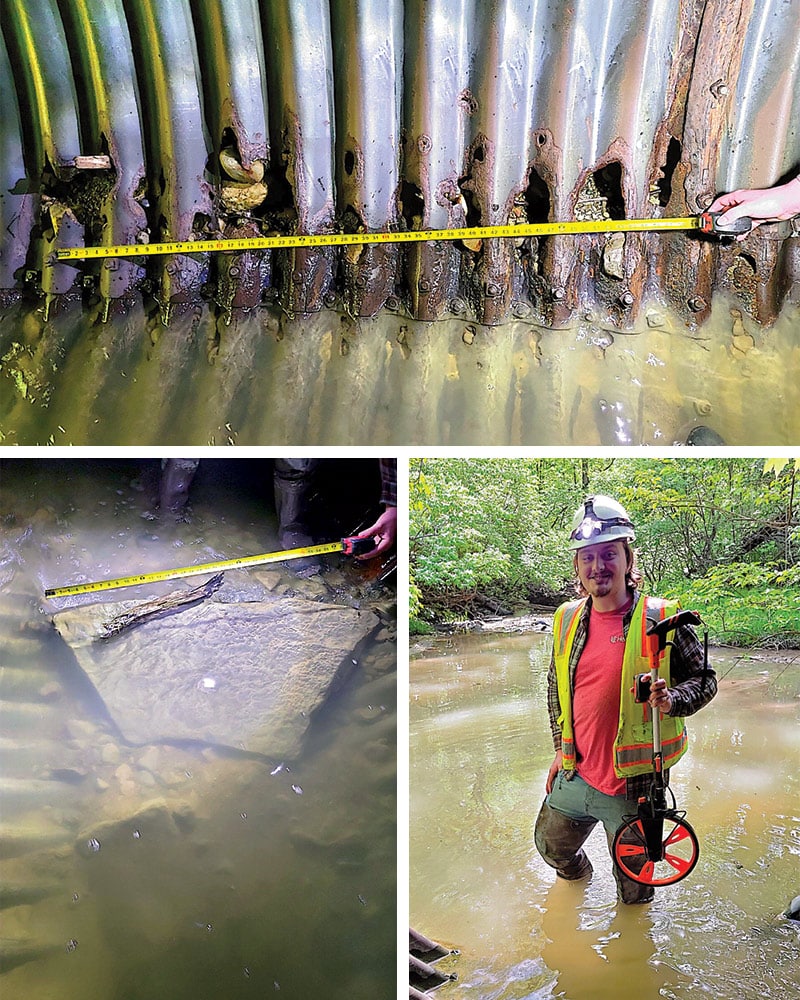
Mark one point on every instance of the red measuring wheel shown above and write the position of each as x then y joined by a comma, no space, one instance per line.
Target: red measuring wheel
657,850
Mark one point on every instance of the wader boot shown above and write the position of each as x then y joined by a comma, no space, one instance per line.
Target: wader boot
560,841
173,485
293,482
628,890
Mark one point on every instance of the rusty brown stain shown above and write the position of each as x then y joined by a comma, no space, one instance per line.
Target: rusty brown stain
720,42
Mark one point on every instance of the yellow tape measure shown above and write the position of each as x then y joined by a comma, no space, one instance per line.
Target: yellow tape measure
347,545
695,222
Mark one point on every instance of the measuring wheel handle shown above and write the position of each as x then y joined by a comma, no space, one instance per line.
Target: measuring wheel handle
655,861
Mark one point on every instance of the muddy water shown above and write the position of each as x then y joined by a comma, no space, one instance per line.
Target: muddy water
181,871
480,750
392,380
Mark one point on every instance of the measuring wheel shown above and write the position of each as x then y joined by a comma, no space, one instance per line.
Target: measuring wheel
655,851
657,846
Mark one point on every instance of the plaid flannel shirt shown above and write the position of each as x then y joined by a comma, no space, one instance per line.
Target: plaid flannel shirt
388,467
689,690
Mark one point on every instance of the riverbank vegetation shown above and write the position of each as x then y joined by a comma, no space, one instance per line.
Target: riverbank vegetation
489,536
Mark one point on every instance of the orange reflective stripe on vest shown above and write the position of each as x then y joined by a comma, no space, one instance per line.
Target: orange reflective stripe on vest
641,753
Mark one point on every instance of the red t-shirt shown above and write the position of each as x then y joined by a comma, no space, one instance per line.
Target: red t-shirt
595,700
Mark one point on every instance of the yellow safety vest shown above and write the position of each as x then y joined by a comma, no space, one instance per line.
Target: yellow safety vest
633,746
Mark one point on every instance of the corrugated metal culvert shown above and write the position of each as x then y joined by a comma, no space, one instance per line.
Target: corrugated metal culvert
138,120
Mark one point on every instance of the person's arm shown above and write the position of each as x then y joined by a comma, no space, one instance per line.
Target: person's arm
553,711
555,767
776,204
690,690
384,530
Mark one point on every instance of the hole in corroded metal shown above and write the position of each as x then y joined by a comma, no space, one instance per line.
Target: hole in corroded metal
608,181
537,198
140,193
467,101
590,203
349,162
473,209
203,224
352,222
228,141
412,205
83,192
279,207
663,187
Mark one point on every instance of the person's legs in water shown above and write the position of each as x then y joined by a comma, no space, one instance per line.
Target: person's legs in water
568,815
176,478
293,483
628,890
611,810
562,828
560,839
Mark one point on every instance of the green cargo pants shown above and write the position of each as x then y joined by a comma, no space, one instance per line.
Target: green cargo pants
568,815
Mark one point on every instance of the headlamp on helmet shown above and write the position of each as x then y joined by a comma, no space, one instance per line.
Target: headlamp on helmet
590,525
600,519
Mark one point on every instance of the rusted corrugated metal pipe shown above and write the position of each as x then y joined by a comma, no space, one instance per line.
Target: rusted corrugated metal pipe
134,120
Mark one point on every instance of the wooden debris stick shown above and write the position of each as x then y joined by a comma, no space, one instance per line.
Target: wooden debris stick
161,606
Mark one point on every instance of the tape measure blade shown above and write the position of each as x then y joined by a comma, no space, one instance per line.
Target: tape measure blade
286,554
162,576
521,230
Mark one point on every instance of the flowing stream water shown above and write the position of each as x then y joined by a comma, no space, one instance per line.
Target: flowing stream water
480,749
393,380
177,870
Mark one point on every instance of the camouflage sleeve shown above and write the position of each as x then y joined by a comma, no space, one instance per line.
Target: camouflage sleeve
690,690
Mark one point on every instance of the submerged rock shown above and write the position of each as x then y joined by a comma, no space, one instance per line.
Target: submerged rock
16,840
154,820
242,675
14,953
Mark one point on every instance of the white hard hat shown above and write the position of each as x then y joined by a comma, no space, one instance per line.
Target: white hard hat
600,519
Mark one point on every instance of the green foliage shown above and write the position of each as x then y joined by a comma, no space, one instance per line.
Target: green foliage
480,525
723,530
777,465
746,604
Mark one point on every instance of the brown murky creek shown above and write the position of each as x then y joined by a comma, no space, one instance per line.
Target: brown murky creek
480,750
183,868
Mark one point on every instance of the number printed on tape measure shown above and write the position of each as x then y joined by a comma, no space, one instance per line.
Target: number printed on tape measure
363,239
